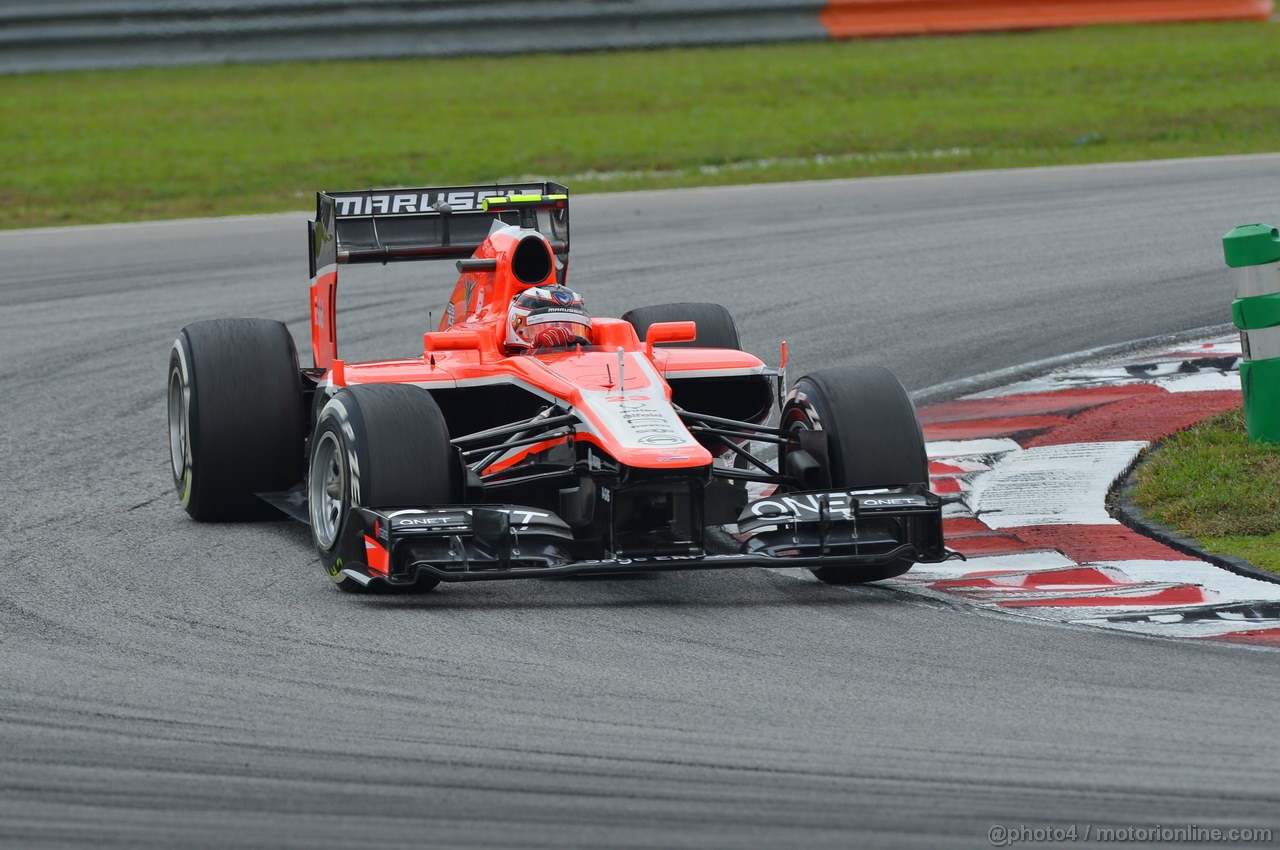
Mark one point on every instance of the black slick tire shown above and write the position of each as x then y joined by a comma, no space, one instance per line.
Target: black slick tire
873,439
235,417
378,446
716,327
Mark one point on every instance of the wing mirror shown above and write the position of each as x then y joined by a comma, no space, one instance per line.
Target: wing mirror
452,340
669,332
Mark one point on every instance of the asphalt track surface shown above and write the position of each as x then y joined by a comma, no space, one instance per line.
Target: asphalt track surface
167,683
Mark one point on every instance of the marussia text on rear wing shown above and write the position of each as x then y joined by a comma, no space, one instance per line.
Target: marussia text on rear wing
430,223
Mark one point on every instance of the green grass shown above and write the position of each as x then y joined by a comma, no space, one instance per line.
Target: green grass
134,144
1212,484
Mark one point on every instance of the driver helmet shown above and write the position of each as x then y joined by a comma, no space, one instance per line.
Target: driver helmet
547,315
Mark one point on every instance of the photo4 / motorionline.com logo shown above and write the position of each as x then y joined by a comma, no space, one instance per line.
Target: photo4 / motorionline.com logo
1002,835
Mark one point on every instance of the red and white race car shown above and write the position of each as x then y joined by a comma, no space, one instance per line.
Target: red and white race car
528,438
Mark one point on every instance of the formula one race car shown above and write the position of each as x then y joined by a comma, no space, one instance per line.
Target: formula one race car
531,439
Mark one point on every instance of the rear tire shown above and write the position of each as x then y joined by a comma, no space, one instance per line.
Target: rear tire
873,440
379,446
235,417
716,327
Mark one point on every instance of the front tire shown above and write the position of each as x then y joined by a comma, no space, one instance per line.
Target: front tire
873,439
376,446
235,417
716,327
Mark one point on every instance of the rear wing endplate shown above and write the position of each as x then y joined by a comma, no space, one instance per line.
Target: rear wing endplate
392,225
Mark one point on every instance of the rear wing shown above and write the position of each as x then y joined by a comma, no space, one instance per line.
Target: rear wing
391,225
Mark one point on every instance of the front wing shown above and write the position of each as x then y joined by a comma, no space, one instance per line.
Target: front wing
808,529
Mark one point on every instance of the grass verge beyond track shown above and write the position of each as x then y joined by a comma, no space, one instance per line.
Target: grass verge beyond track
159,143
1212,484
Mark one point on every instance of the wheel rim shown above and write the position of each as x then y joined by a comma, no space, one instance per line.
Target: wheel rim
179,432
326,489
800,415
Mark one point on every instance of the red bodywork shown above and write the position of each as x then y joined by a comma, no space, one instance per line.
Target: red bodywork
633,422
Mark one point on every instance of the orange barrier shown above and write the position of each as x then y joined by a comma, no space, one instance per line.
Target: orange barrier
851,18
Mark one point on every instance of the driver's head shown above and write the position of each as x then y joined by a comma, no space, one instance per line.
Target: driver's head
547,316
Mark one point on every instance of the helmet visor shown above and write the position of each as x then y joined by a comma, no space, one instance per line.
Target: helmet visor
567,331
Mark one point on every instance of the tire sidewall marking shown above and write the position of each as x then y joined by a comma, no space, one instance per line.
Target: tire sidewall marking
336,417
183,369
